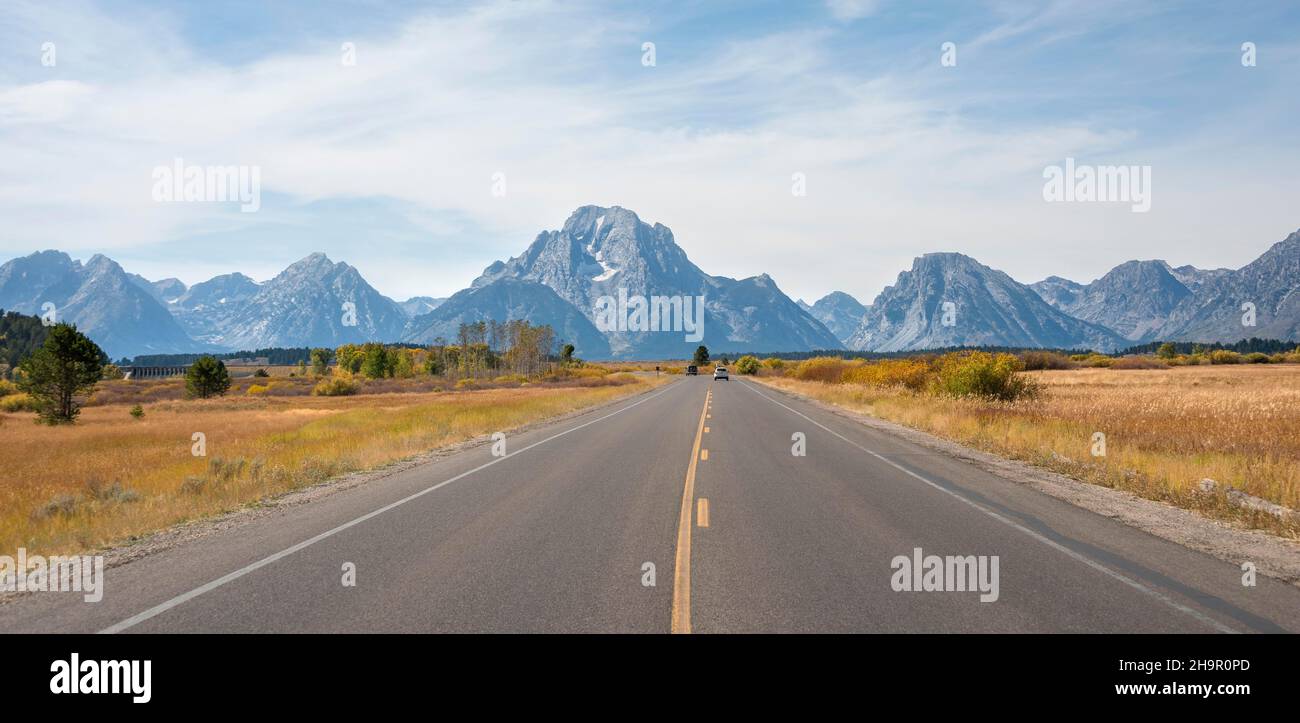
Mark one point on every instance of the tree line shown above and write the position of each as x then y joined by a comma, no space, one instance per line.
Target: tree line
1245,346
20,335
481,349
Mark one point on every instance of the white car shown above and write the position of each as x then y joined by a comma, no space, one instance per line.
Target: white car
721,373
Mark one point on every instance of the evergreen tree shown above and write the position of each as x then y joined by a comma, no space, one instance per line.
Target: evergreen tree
66,365
207,377
376,362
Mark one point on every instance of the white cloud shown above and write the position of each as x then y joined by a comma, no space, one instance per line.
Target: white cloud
852,9
539,92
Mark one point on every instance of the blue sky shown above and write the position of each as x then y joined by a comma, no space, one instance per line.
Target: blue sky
388,164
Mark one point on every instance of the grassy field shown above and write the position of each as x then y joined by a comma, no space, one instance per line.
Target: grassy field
1165,429
111,477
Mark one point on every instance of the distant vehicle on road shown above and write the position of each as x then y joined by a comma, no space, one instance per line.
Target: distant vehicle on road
692,370
721,373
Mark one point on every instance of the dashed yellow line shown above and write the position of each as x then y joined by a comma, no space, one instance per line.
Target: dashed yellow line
681,622
702,512
704,454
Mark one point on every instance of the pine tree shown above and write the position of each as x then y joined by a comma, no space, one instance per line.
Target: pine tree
67,365
207,377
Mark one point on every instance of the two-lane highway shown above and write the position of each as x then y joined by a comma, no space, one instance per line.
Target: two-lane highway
704,506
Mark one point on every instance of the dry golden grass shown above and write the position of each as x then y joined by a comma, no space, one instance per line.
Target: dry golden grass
1165,429
111,477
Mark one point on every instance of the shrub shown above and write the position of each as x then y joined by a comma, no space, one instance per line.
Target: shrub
828,369
589,370
515,379
261,374
747,365
981,374
256,389
470,383
62,505
1137,362
110,492
1257,358
774,363
1224,356
335,387
224,469
1097,360
1167,351
137,411
911,374
7,387
285,388
1034,360
18,403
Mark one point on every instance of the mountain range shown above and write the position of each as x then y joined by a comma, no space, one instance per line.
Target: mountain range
840,312
99,297
987,308
602,251
601,254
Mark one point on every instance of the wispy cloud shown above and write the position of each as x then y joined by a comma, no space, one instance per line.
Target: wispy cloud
852,9
902,156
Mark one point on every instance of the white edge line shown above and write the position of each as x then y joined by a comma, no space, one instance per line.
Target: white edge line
1015,525
209,587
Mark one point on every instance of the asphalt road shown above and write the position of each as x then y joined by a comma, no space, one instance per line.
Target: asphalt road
699,479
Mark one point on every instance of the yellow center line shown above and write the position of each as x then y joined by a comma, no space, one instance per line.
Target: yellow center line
682,572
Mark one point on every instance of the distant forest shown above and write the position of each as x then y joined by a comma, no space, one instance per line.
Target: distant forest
842,353
28,334
276,356
1245,346
20,335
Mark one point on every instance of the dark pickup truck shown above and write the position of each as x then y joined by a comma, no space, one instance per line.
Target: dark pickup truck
692,370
